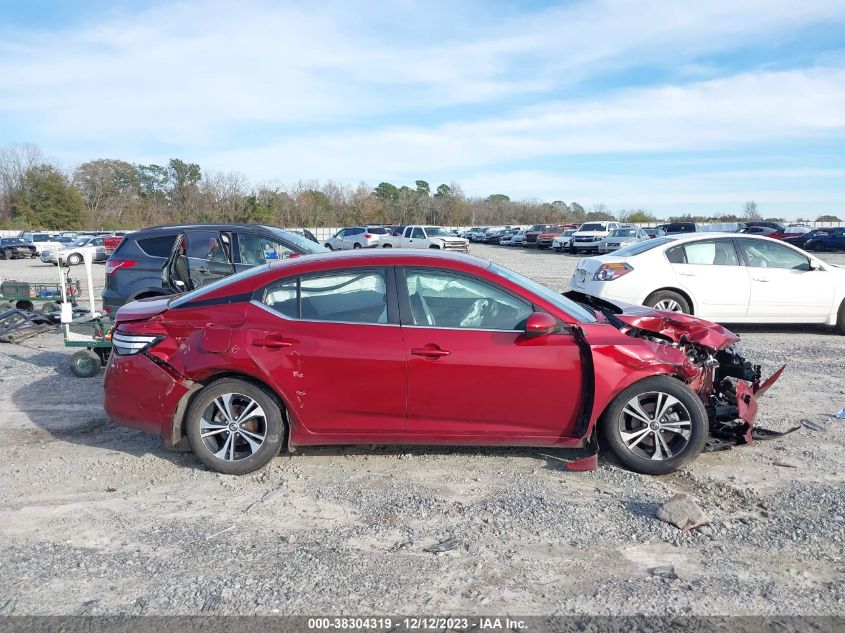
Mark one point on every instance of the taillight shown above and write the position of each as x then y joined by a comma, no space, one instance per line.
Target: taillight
609,272
367,236
115,264
129,344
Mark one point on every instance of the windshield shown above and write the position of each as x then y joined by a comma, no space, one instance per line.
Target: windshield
538,227
12,240
436,231
594,226
82,241
567,305
302,243
624,233
642,247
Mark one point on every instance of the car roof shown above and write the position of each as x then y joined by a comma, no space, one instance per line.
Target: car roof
167,228
383,257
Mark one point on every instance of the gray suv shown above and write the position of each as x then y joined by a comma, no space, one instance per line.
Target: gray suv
165,260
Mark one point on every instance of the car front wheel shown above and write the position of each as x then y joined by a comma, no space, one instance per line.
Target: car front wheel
655,426
235,427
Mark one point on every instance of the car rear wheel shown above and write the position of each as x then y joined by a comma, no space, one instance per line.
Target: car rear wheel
74,260
668,301
356,245
388,246
329,246
656,426
818,247
840,319
235,427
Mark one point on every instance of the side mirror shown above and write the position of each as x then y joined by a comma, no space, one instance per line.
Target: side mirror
540,324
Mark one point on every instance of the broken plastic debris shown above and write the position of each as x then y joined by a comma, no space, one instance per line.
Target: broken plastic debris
839,415
813,426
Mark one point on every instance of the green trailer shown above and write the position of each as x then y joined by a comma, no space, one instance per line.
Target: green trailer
25,295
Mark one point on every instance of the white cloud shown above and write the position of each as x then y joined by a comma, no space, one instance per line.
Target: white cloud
724,113
194,73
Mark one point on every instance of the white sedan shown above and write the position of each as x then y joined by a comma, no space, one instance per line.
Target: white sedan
724,277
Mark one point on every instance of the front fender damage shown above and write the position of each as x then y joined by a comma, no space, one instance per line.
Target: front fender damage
702,354
726,382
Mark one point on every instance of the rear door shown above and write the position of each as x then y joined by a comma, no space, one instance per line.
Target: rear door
714,276
331,343
472,372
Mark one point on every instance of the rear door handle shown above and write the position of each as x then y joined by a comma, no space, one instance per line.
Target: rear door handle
764,279
429,352
271,342
688,274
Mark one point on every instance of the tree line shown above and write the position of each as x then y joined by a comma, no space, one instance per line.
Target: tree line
110,194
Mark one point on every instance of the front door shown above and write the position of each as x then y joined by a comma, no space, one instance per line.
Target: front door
472,371
784,287
331,343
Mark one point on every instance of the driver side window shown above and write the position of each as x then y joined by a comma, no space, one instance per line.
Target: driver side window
444,299
770,254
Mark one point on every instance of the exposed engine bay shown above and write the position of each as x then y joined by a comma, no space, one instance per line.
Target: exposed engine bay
712,366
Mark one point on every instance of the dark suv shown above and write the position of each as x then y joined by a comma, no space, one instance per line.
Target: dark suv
164,260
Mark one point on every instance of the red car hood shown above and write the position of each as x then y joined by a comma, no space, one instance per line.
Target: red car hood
675,325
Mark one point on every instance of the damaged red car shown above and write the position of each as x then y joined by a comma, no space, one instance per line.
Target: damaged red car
399,347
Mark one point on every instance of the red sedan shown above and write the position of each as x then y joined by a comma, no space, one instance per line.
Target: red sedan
398,347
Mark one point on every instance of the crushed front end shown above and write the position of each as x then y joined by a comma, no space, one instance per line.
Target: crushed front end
713,367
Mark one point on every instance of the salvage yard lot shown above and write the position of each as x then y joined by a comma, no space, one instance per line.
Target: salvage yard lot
99,519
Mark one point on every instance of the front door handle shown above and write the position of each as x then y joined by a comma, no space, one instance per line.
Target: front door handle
688,274
271,342
429,352
764,279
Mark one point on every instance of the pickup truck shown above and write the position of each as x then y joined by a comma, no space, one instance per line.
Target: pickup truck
44,241
417,236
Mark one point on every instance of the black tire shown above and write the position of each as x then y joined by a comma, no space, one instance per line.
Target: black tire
818,247
434,246
387,246
3,255
572,250
329,246
686,414
49,307
840,319
74,259
85,363
356,245
25,304
669,301
240,438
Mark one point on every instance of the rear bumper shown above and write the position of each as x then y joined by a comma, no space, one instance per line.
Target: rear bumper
142,395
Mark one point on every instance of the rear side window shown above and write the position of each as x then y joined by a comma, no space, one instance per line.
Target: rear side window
157,246
350,296
706,252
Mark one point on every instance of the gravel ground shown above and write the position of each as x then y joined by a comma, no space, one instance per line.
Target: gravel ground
95,519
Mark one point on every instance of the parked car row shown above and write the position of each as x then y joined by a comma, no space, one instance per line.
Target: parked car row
401,236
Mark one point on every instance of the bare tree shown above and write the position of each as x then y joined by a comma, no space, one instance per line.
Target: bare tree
751,212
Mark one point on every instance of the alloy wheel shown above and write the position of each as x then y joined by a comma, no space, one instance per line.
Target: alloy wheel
233,427
668,305
655,425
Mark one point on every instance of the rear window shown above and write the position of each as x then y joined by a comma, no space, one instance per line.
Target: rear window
642,247
157,246
376,230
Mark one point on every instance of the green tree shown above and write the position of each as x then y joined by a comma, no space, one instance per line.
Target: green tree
386,191
423,188
48,200
828,218
578,212
498,198
443,191
598,216
255,212
640,216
